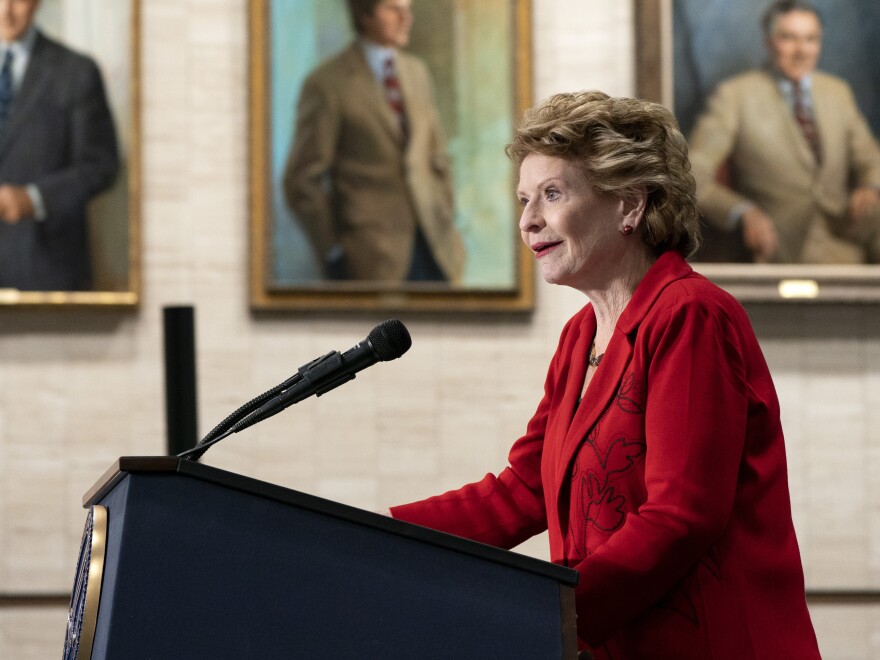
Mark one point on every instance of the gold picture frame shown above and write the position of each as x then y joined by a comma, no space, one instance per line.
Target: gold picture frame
110,35
271,291
748,282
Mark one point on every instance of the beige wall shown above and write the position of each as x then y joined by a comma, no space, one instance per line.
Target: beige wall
82,388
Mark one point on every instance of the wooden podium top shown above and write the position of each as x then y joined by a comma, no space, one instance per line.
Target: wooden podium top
173,465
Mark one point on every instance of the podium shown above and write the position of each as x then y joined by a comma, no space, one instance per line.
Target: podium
183,560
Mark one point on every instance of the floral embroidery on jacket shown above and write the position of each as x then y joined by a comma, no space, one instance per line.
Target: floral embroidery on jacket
600,505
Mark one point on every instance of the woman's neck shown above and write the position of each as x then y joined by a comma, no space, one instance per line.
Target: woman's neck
610,300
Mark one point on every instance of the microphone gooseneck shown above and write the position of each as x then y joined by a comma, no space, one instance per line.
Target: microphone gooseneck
387,341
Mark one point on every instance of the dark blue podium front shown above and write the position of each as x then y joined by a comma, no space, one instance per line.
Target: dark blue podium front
204,563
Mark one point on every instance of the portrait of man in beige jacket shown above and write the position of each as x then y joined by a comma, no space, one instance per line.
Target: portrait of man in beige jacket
368,177
804,167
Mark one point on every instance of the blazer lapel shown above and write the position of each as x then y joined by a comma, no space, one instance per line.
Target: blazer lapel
606,383
826,113
35,79
793,129
371,90
600,393
413,95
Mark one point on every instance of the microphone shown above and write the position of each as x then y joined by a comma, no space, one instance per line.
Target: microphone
387,341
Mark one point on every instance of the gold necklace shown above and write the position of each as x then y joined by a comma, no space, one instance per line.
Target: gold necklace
594,359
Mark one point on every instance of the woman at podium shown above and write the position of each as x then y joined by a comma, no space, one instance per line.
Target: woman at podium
656,457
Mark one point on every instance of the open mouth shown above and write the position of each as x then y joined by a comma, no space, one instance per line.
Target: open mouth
540,249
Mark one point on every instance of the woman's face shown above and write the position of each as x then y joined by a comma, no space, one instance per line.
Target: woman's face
573,230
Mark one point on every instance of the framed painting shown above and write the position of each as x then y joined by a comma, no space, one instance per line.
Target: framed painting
82,248
339,216
685,48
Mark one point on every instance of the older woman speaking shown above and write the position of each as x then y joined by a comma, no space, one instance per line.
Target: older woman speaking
655,458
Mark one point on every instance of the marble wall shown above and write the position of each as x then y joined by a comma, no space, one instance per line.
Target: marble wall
80,388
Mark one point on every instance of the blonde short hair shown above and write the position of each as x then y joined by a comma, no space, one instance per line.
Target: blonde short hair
624,146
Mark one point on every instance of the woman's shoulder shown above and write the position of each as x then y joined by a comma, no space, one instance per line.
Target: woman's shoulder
696,292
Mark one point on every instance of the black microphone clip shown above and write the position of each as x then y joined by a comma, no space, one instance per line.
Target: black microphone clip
317,372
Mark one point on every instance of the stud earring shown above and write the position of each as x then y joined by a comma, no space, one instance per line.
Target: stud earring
627,230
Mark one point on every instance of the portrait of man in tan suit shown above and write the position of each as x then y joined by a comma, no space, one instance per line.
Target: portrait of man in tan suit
803,166
368,177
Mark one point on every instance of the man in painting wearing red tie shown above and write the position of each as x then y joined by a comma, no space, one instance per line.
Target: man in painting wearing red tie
368,175
804,166
57,150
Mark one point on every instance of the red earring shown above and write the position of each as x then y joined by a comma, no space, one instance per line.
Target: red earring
627,230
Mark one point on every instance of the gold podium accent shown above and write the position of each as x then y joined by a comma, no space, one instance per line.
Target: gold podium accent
82,619
96,577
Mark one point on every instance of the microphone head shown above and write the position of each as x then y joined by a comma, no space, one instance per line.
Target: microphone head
390,339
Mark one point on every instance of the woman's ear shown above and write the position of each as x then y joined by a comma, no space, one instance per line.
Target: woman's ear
633,208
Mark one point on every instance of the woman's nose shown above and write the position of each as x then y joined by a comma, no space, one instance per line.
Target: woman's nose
531,218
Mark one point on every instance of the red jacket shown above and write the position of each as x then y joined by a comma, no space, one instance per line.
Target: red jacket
666,488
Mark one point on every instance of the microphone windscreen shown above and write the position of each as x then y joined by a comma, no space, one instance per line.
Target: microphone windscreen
390,339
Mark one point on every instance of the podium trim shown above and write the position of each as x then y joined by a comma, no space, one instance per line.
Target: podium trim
82,615
96,579
172,464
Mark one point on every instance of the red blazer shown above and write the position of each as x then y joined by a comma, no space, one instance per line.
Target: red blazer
666,488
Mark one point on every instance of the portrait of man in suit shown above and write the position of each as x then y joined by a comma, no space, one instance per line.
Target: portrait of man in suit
784,157
368,176
58,150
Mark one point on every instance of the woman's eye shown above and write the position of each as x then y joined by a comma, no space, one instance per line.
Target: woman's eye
523,201
551,193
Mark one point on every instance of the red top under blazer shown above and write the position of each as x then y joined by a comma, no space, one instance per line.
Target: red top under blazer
666,488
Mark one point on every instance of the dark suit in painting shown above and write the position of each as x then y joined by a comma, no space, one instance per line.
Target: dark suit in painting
59,136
